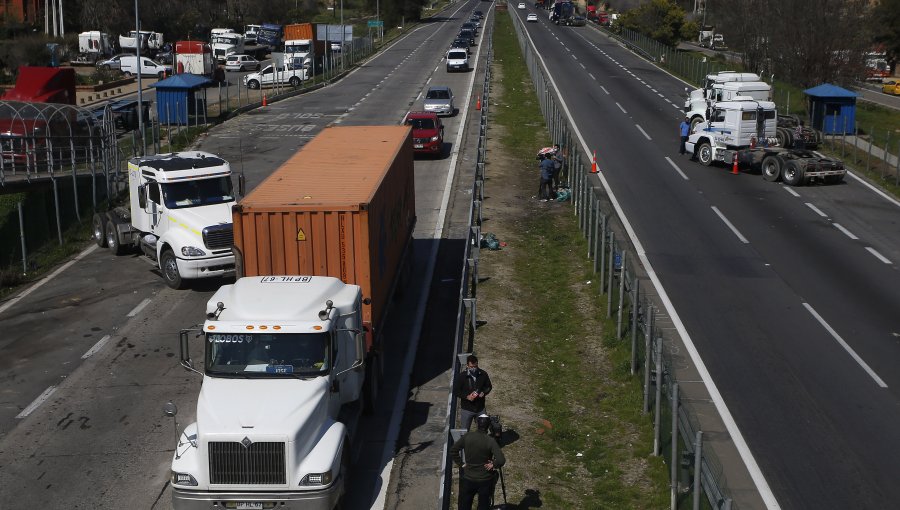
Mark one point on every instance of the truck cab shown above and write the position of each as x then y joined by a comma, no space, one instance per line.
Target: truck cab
282,376
300,50
699,108
178,214
225,44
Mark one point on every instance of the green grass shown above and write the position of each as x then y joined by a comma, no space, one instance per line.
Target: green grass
593,412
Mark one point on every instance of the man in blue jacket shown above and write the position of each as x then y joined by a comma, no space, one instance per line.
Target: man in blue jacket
685,129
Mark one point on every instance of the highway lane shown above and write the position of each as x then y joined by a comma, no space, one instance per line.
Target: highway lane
796,324
124,442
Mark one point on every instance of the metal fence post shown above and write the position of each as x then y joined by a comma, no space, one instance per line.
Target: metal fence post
22,237
635,300
602,264
657,408
869,155
673,473
609,292
647,336
698,463
56,209
621,295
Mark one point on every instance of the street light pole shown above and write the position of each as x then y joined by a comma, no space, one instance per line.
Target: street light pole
137,49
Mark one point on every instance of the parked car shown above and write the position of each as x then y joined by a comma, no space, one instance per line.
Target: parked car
439,99
241,63
427,132
468,35
111,63
476,21
271,75
457,60
891,87
531,18
521,5
129,66
470,26
479,14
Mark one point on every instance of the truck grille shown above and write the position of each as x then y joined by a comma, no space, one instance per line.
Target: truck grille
233,463
421,140
218,236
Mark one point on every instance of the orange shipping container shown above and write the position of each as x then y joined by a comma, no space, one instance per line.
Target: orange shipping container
342,206
298,31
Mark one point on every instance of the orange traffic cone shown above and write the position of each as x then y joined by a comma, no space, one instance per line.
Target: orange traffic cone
265,102
478,103
734,165
594,163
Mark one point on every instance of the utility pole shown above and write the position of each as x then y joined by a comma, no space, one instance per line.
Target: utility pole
138,40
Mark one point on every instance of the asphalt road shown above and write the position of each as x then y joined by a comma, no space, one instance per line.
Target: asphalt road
90,356
789,294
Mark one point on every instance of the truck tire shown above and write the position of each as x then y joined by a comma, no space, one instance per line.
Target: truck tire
785,137
792,175
694,121
253,84
704,153
112,238
294,81
771,168
168,265
98,229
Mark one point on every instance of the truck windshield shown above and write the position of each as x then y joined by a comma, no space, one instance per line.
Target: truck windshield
196,193
296,48
267,355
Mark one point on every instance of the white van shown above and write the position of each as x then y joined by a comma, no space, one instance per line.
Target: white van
457,60
148,67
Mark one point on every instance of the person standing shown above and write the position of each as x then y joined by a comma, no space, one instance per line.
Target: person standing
685,130
558,161
799,142
546,187
471,387
477,475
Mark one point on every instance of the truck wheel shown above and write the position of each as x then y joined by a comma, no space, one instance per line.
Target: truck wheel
253,84
295,82
112,238
168,264
127,74
771,168
785,137
98,230
792,175
704,154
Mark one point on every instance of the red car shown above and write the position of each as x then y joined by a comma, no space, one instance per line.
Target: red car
428,132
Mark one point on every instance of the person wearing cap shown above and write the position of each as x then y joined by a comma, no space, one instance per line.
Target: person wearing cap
685,129
483,458
471,386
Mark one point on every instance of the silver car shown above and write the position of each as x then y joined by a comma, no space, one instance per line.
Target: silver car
439,100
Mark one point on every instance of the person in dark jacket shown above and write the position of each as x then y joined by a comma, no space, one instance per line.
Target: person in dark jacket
477,475
471,386
545,190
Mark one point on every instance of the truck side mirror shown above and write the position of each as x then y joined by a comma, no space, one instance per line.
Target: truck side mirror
242,184
186,360
142,196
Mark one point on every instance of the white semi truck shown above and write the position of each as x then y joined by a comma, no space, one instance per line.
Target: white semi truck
698,106
178,214
224,44
742,132
283,373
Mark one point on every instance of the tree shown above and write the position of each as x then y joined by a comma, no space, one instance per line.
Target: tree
661,20
886,22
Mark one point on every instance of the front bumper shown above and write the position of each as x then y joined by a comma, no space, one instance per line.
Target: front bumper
440,110
325,499
457,67
208,267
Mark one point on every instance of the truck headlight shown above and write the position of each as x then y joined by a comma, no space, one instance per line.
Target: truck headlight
316,479
191,251
183,479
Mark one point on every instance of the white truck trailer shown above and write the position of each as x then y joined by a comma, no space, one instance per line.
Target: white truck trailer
743,132
178,214
282,375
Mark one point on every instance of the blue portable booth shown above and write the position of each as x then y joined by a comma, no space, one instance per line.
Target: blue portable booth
181,98
832,109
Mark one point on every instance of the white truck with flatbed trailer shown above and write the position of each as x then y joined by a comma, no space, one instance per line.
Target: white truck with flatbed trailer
282,375
178,214
743,132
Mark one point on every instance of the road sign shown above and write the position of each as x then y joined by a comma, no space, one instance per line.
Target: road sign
374,23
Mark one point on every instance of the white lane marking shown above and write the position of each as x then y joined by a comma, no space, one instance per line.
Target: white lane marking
732,227
846,347
816,209
654,90
47,278
592,76
759,479
683,176
660,95
845,231
137,309
791,191
675,106
623,109
643,132
604,89
97,346
878,255
876,190
582,66
37,402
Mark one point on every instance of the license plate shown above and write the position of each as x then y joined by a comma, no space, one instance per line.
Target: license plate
249,505
418,146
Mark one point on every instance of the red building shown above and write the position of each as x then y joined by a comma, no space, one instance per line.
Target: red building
22,11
